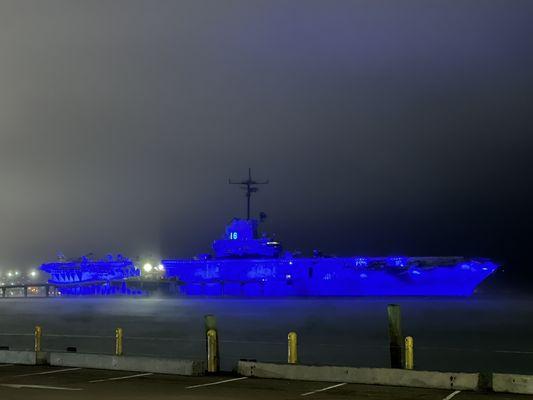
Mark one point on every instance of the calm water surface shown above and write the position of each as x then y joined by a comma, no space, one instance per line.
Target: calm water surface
463,334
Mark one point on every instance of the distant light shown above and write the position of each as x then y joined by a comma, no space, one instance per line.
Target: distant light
361,262
288,276
17,273
148,267
33,274
160,267
397,261
10,274
363,276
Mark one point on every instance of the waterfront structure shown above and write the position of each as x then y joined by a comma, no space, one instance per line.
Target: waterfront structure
85,276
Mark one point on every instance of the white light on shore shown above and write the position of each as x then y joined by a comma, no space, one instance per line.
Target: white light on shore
148,267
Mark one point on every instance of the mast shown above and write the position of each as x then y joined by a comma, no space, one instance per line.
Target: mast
249,186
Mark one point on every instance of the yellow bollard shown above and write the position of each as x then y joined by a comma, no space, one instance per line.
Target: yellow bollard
292,348
118,341
38,334
409,353
212,346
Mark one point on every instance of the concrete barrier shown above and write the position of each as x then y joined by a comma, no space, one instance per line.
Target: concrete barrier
370,376
23,357
512,383
129,363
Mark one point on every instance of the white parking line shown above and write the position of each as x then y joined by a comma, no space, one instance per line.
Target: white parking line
216,383
15,386
119,378
46,372
451,395
324,389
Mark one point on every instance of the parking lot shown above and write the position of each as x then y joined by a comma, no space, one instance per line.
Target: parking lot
42,382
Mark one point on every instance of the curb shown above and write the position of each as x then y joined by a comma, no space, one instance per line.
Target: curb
508,383
23,357
512,383
370,376
129,363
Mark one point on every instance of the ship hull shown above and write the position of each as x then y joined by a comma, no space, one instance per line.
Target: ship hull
320,276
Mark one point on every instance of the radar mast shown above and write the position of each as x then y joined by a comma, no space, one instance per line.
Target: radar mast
249,186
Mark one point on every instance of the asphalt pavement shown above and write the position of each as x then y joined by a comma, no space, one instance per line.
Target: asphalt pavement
44,382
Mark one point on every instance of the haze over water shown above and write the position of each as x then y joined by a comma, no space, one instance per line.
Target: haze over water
481,333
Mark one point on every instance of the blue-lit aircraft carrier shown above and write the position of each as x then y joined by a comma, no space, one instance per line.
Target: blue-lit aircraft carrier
245,263
84,276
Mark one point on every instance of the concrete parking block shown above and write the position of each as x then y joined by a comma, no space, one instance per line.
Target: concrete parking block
129,363
512,383
370,376
23,357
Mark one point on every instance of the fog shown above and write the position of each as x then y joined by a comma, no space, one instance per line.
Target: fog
384,128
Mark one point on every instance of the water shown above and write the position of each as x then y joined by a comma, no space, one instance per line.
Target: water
454,334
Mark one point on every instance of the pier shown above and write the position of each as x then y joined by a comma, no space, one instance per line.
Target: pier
132,287
49,290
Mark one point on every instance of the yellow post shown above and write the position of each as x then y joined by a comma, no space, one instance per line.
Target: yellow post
292,348
38,334
118,341
212,346
409,353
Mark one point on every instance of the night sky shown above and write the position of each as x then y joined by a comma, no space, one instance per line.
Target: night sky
384,127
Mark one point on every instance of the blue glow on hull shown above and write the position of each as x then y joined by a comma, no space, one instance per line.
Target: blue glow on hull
245,264
420,276
95,288
85,277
